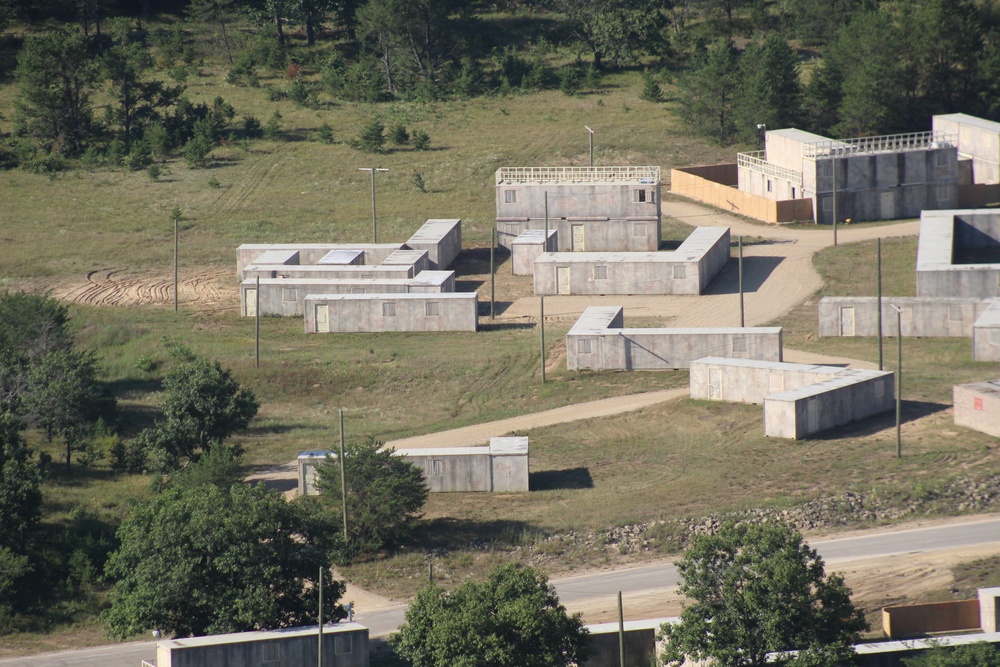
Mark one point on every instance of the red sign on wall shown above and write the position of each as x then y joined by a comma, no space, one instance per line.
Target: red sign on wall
977,403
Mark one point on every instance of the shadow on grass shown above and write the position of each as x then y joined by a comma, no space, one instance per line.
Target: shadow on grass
476,261
912,411
468,285
380,654
128,387
501,326
452,534
570,478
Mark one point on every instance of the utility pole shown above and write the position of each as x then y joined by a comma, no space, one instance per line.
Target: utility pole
493,288
256,322
591,137
621,632
878,273
899,381
176,248
541,325
742,310
373,171
319,647
343,475
834,163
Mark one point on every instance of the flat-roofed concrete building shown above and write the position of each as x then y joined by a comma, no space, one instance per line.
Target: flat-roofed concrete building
958,253
937,317
500,467
600,341
344,645
872,178
441,238
978,142
594,209
371,313
977,406
687,270
306,253
526,248
799,399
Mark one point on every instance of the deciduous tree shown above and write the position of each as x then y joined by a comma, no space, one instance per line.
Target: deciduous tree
757,589
513,619
980,654
205,559
20,487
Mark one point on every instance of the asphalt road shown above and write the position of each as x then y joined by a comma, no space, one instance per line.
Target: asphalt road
602,585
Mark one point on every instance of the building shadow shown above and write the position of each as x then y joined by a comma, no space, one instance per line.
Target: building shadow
450,533
756,271
911,411
569,478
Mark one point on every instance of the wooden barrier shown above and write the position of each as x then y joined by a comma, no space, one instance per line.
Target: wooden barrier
716,185
922,619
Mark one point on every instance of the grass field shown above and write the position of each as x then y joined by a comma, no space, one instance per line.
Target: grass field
674,460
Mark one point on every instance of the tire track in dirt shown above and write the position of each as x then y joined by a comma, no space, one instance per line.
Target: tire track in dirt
260,171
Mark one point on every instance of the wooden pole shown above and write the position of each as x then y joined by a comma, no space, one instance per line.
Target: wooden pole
374,219
541,325
546,219
256,323
176,246
742,309
878,271
621,632
834,162
319,647
493,287
899,382
343,474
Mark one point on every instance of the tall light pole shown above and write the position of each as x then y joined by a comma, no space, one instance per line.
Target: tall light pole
591,144
761,132
373,171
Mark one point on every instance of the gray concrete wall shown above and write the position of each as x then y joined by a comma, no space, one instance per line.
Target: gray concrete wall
500,467
767,185
922,316
940,233
640,648
309,253
327,272
588,234
294,646
599,341
978,139
986,334
977,406
441,238
784,146
799,399
286,296
687,270
526,248
418,260
355,313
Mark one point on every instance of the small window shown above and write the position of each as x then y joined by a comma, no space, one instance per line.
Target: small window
639,230
510,196
739,344
270,652
638,196
388,310
288,295
600,272
583,346
357,290
769,185
343,644
367,276
793,194
679,272
432,309
435,467
954,313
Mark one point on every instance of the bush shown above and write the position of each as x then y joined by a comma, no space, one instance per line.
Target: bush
398,135
418,181
138,156
420,140
569,81
252,128
272,130
214,183
154,171
372,137
244,72
300,91
651,91
196,151
275,95
324,133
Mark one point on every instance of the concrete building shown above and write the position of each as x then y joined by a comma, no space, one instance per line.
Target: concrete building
527,247
286,296
500,467
978,146
872,178
938,317
600,341
799,399
441,239
958,253
687,270
344,645
594,209
347,313
291,254
977,406
986,334
640,643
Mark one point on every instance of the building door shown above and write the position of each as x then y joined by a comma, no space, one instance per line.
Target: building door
715,383
250,302
322,318
847,321
562,280
888,206
578,245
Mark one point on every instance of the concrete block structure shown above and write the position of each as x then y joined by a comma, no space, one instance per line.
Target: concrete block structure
977,406
527,247
943,317
687,270
441,239
799,399
500,467
344,645
600,341
872,178
978,143
986,334
639,643
958,253
286,296
594,209
369,313
291,254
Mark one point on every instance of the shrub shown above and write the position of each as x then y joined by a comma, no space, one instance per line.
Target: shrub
651,91
420,140
418,181
569,81
398,135
272,129
372,137
324,133
252,128
300,91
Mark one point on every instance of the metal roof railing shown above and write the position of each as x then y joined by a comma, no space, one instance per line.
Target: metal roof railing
889,143
755,161
532,175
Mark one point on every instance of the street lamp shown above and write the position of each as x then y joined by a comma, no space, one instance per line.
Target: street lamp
761,130
373,171
591,144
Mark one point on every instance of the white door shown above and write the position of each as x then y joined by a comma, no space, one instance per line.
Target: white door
322,318
847,321
578,245
714,383
888,206
250,303
562,280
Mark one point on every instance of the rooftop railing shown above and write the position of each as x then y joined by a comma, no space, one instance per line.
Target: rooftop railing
889,143
755,161
532,175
